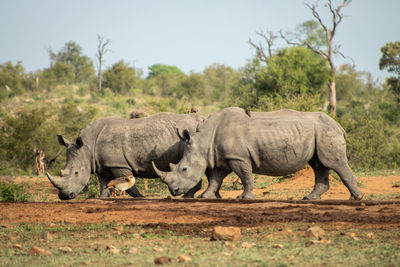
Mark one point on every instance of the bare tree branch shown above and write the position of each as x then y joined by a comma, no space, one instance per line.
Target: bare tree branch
269,38
101,50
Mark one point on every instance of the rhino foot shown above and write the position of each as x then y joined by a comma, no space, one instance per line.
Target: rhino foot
309,197
357,197
208,195
247,196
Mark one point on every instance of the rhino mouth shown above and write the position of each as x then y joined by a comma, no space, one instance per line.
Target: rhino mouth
68,196
175,191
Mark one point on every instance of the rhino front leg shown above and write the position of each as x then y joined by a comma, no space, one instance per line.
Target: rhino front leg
244,171
321,180
215,178
134,192
191,192
103,181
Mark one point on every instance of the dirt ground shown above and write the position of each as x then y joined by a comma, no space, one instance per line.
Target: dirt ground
275,203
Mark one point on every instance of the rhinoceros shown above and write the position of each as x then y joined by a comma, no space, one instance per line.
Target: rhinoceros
271,143
113,147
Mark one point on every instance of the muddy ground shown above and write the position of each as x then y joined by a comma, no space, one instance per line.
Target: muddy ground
275,203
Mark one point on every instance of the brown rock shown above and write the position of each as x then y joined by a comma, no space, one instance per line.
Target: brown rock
65,249
226,233
184,258
315,231
17,246
38,251
162,260
113,249
370,235
277,246
157,249
70,220
248,245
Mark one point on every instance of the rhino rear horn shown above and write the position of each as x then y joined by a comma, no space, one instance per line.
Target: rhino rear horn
56,181
163,175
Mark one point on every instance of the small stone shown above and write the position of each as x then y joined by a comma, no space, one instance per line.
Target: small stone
370,235
133,250
230,245
226,233
46,236
70,220
277,246
248,245
119,228
17,246
65,249
291,258
113,249
38,251
184,258
52,225
325,241
363,204
227,253
162,260
315,231
157,249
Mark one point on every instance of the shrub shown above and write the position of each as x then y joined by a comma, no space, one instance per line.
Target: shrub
13,192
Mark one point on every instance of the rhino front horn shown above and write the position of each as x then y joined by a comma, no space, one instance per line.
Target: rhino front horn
161,174
56,181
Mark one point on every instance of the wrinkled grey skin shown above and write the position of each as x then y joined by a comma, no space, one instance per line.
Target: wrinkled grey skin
113,147
270,143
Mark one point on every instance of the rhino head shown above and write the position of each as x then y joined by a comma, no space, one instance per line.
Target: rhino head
76,173
188,172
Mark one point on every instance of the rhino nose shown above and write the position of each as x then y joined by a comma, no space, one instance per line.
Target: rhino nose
71,195
174,191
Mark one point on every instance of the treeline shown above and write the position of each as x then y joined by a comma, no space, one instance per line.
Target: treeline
65,97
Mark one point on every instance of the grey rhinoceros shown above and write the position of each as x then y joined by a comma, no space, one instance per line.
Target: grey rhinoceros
113,147
272,143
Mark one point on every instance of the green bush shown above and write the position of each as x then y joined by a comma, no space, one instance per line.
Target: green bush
92,189
13,192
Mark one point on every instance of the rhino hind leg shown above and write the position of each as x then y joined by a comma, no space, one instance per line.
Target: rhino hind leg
191,192
244,171
321,180
332,154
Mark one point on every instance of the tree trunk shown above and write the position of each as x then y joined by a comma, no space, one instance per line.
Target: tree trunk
332,97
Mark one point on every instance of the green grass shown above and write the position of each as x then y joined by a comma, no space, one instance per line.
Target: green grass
89,242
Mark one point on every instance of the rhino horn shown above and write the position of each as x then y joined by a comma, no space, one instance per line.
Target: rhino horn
56,181
163,175
172,166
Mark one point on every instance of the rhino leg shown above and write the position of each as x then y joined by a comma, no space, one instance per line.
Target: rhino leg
134,192
215,177
244,171
321,180
332,153
104,191
191,192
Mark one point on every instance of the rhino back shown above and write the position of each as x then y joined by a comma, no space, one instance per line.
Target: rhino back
133,144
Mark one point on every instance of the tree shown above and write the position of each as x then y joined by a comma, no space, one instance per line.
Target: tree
71,54
101,50
331,49
293,71
192,85
12,78
390,61
120,78
269,37
158,69
219,80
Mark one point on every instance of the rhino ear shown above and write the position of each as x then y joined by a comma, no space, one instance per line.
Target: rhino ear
62,141
79,142
183,135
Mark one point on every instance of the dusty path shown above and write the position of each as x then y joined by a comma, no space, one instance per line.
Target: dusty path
195,214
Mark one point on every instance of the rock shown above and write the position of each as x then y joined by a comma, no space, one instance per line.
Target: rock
230,245
46,236
315,231
226,233
248,245
38,251
70,220
17,246
370,235
184,258
277,246
119,228
157,249
65,249
228,254
133,250
162,260
113,249
52,225
320,241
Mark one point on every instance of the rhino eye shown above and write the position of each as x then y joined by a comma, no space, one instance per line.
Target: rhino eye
184,169
76,173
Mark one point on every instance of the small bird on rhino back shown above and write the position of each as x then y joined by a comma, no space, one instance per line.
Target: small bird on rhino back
121,184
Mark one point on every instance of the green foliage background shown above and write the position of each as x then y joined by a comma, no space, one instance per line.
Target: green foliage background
64,98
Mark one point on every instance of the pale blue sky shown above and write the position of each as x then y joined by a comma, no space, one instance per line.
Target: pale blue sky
188,34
